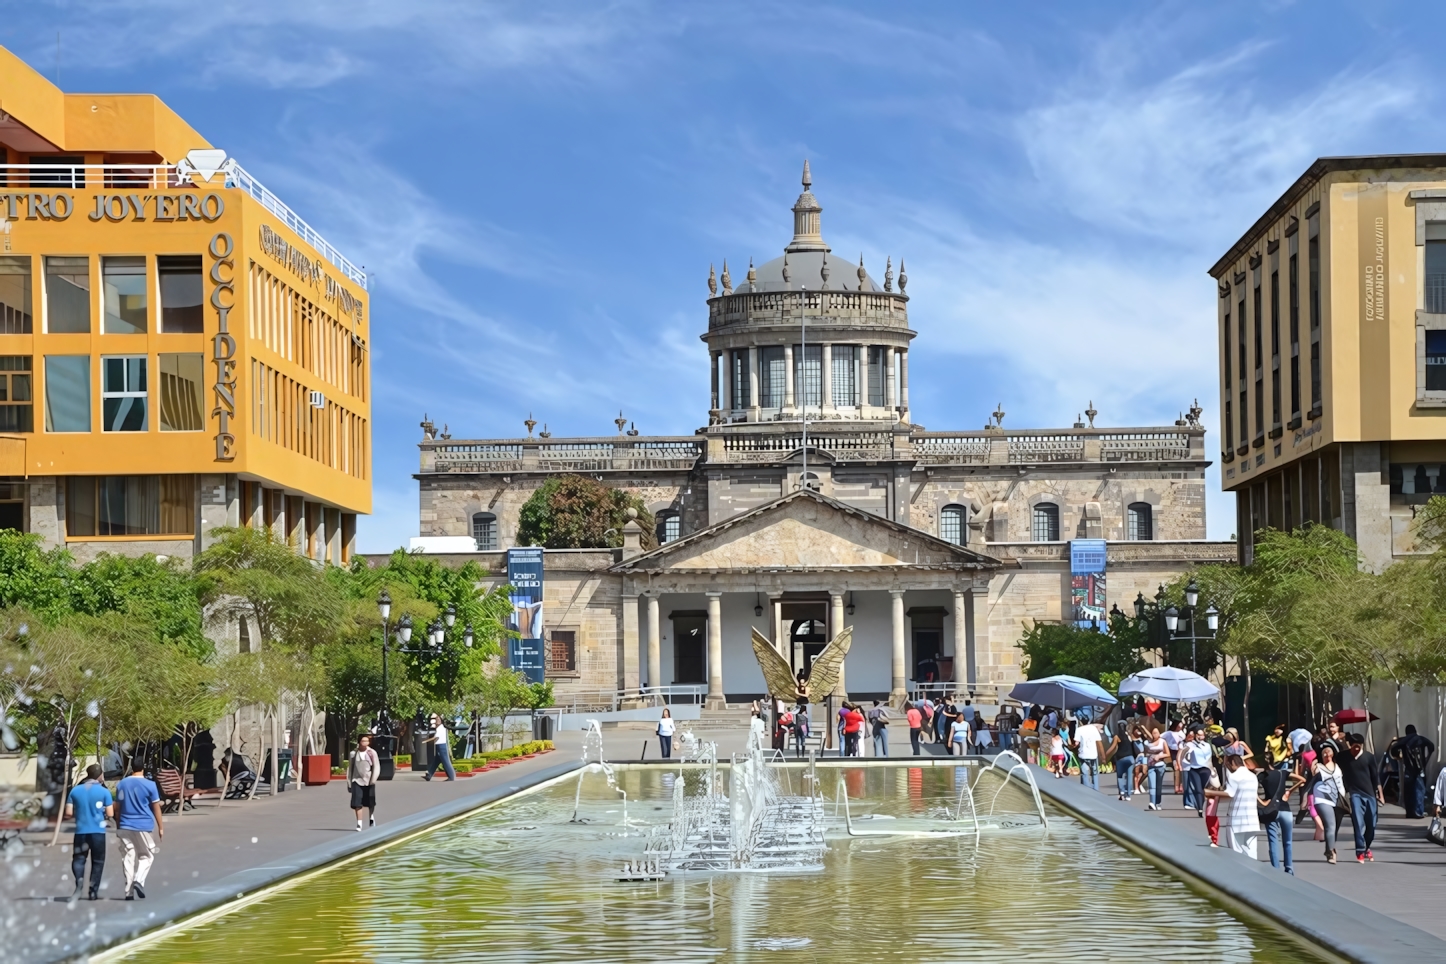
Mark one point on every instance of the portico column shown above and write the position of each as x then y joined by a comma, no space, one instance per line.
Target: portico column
753,383
904,381
963,648
897,692
788,377
977,637
835,626
630,644
888,377
715,699
715,356
655,644
826,402
775,608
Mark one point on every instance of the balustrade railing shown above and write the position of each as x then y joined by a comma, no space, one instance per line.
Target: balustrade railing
571,455
1046,448
1144,446
951,449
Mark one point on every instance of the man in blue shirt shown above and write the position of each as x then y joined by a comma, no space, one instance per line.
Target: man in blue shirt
138,825
90,804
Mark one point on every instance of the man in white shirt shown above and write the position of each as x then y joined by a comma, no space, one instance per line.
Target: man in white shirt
439,738
1087,739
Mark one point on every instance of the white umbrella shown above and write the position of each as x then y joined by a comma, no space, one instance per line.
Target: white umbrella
1169,684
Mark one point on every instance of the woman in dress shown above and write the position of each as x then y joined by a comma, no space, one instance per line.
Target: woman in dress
1241,825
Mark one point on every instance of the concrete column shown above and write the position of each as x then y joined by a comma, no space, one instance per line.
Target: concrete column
827,399
976,636
315,545
333,536
861,387
835,626
898,675
753,382
775,612
889,377
714,355
904,381
629,682
715,699
963,648
348,537
46,505
655,643
788,402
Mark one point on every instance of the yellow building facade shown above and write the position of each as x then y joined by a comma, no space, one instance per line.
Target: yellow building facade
1332,350
179,350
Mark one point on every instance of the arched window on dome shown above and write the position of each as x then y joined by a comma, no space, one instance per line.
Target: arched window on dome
951,524
484,531
1141,522
1045,523
670,526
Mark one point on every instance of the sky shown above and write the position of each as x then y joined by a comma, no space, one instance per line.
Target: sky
537,190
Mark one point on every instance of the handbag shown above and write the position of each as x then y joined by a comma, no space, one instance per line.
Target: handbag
1436,833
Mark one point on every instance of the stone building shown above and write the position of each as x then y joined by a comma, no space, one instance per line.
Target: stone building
813,500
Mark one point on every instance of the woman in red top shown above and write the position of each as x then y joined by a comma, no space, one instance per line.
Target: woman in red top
916,724
853,724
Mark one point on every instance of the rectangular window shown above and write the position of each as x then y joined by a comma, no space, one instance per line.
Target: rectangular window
181,392
1435,361
1313,267
67,393
181,294
845,367
123,393
771,380
1274,348
562,651
876,375
1244,406
808,375
67,295
15,310
124,282
1257,304
130,505
741,395
1294,271
17,401
1229,384
1435,268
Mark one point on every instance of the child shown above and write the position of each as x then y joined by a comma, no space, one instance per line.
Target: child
1212,812
1056,755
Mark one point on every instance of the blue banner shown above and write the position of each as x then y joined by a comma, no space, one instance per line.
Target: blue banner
1087,583
524,575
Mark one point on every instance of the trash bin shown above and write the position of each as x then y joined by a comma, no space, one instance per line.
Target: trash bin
542,727
284,760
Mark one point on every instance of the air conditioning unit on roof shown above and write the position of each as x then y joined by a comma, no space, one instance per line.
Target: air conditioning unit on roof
318,400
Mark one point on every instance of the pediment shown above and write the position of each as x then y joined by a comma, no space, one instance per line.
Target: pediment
805,530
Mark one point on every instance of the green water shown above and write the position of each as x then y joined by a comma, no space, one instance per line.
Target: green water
518,882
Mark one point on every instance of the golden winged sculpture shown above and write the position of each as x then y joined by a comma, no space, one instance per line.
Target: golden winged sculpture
822,677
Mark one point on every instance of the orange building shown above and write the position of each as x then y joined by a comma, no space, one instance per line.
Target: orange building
179,350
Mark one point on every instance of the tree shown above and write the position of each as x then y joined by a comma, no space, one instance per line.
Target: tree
1051,649
495,691
576,512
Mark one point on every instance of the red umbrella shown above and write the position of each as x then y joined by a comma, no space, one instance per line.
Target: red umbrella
1353,716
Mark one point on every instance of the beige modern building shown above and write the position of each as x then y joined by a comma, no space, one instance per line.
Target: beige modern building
812,500
1332,327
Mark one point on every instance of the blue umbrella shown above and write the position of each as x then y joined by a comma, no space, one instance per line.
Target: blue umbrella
1065,692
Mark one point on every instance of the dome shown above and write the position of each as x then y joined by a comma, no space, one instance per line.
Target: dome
805,271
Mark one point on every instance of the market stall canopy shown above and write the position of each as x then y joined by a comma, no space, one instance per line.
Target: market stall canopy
1065,692
1170,684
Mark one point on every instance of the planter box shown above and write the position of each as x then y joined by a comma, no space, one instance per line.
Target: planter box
338,776
316,769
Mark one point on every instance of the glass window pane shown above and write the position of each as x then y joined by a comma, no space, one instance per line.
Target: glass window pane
67,295
178,505
15,309
808,375
1436,361
124,280
129,505
181,294
67,393
80,506
951,524
771,379
181,392
1045,526
123,394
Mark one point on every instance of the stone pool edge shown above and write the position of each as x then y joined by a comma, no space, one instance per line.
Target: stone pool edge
1322,918
112,932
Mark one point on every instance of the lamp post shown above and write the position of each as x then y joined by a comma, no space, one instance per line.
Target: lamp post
1173,618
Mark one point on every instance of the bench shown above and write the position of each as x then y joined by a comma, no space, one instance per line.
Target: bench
175,795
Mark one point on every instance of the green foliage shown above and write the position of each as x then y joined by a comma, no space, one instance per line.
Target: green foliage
576,512
249,573
1051,649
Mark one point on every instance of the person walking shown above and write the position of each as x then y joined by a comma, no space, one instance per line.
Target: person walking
1277,749
1328,797
362,775
1242,824
1361,774
1413,753
138,827
439,740
879,721
1196,759
959,735
800,730
1087,745
1157,757
916,725
666,729
1175,739
90,805
1274,788
853,728
1122,755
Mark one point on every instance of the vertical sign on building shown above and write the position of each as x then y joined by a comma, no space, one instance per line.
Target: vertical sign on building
1087,582
524,575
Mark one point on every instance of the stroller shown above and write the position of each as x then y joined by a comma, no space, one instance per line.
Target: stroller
243,777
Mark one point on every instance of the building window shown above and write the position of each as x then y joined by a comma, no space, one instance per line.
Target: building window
484,531
1045,527
1435,360
742,397
670,526
130,505
1294,271
1259,346
845,381
1229,384
124,282
181,392
67,295
50,170
1244,397
17,401
876,375
1140,522
1436,268
951,524
67,393
771,377
181,295
808,375
562,651
12,507
1274,343
123,393
1313,267
15,310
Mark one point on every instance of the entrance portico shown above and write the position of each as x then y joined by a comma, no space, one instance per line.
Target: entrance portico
800,569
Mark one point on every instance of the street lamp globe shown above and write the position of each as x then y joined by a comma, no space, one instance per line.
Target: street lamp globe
1192,594
1172,618
384,605
1139,605
467,636
451,615
1160,596
404,629
1212,618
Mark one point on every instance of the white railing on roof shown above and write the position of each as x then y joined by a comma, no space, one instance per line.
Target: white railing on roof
169,177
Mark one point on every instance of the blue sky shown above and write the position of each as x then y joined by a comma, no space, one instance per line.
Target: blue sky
539,188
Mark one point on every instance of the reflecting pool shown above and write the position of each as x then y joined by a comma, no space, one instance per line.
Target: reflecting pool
525,881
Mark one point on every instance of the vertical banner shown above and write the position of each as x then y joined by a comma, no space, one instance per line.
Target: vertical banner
524,575
1087,582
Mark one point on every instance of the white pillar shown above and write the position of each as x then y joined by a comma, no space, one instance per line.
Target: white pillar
630,644
897,692
904,381
826,402
715,699
835,626
977,637
963,652
714,356
788,402
655,643
753,382
888,377
860,386
775,610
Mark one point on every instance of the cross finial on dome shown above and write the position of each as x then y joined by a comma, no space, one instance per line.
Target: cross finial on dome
807,177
